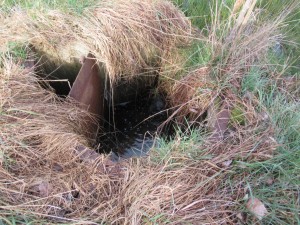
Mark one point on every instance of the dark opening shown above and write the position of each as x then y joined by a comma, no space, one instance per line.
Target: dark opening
130,124
130,128
59,76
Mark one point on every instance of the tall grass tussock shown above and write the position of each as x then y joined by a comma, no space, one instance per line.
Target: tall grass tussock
126,36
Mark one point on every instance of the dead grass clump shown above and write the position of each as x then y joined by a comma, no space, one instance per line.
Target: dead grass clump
39,168
127,36
35,125
192,95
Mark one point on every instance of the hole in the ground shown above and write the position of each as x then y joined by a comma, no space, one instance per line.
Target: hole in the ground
131,126
130,123
59,75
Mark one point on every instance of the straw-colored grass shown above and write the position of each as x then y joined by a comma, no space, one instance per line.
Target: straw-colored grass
128,37
45,175
41,174
192,95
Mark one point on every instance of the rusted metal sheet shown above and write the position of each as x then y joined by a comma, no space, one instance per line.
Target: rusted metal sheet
88,89
220,126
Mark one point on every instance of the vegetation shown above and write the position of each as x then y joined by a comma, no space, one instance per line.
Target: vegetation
75,6
274,181
244,68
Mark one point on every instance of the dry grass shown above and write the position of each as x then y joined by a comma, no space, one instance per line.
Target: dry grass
192,95
126,36
43,175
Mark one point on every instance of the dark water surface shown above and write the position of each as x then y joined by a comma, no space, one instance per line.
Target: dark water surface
131,129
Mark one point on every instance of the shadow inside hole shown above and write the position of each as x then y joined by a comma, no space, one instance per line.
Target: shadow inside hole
130,127
58,74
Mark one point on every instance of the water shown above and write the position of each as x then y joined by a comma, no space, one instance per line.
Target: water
132,130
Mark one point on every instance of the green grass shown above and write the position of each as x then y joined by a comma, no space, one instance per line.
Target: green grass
289,46
281,196
203,15
186,143
75,6
17,50
15,219
198,54
201,11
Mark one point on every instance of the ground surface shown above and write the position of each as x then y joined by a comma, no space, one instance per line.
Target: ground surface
241,165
